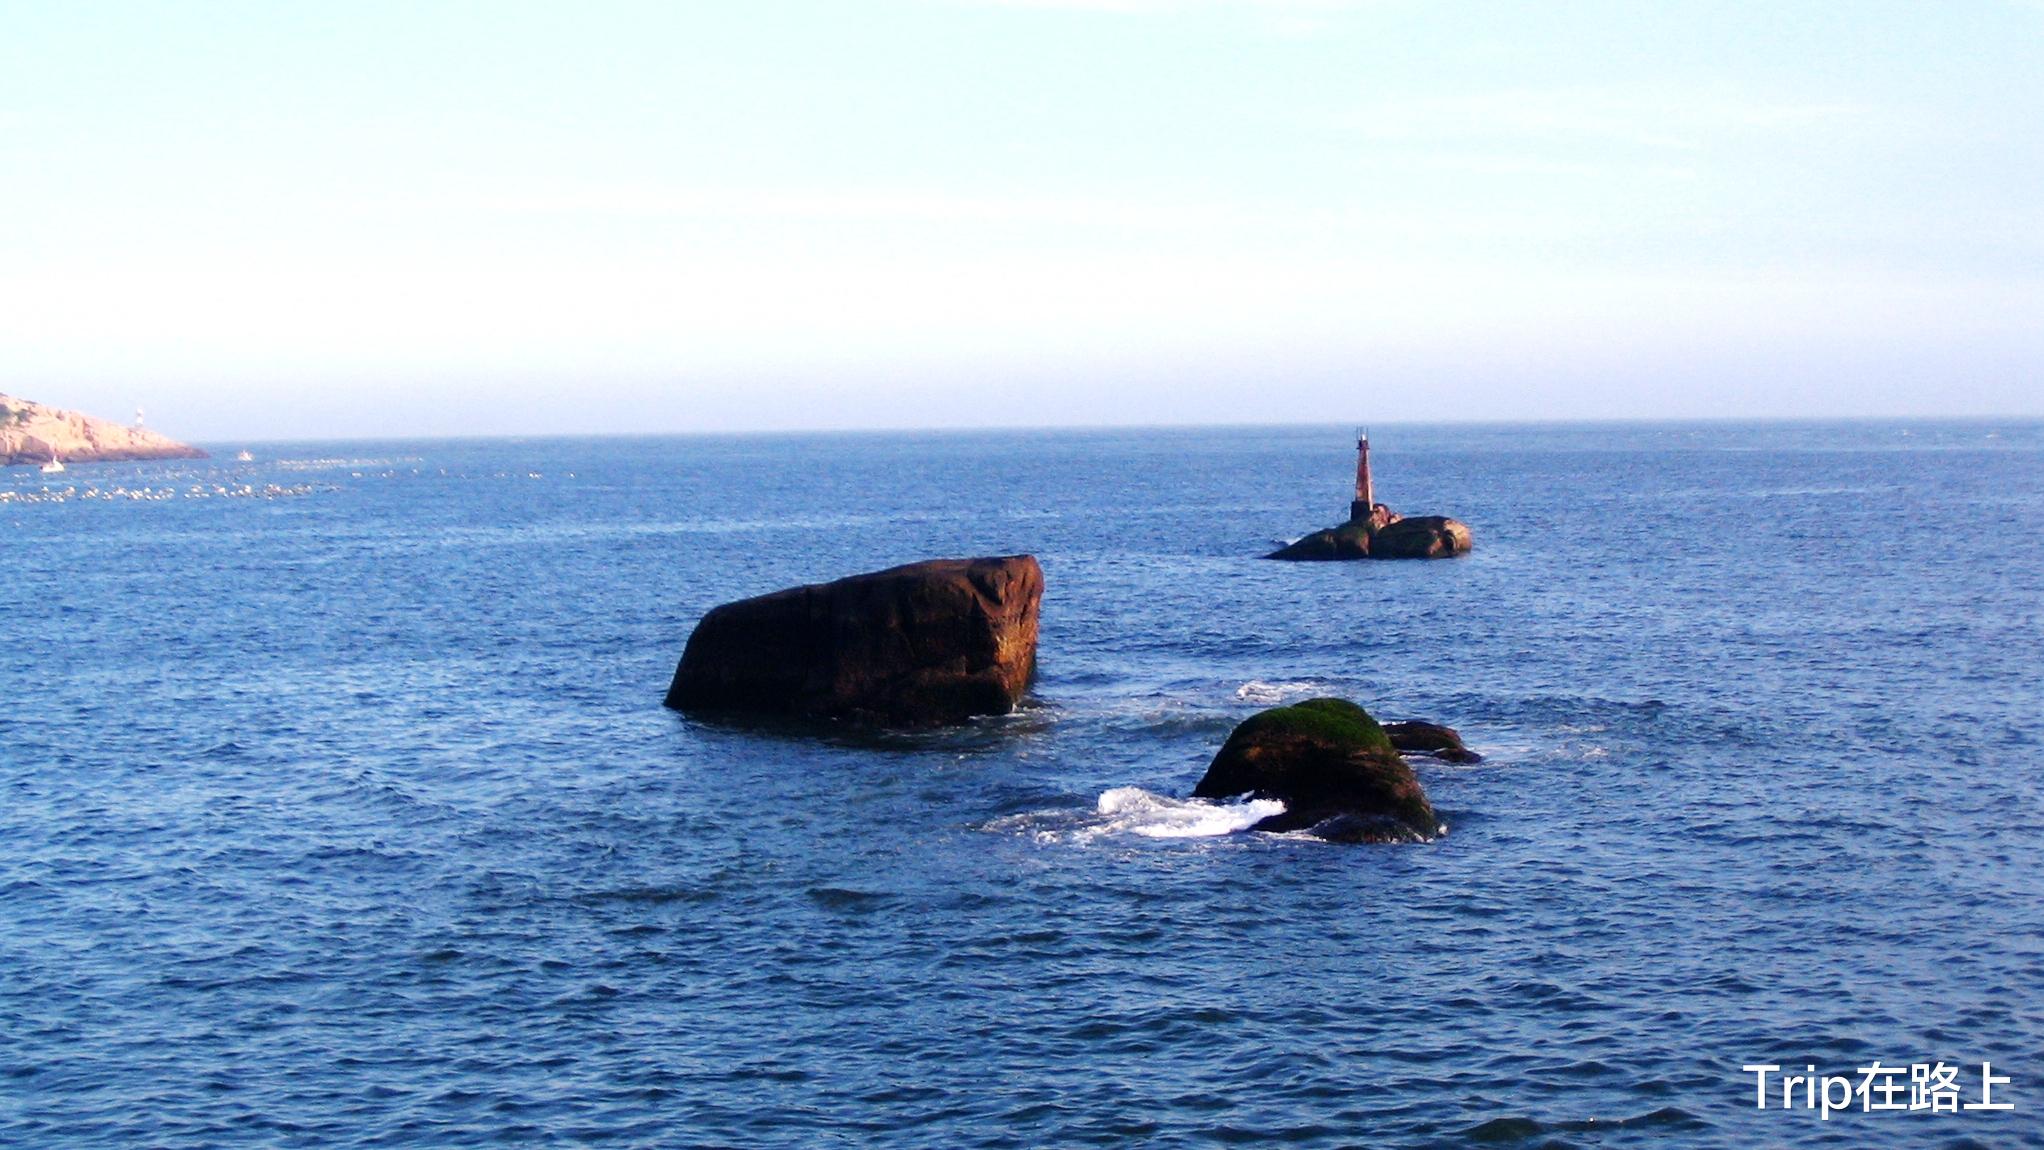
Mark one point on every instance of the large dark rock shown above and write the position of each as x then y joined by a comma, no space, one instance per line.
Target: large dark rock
1384,534
928,643
1333,767
1414,737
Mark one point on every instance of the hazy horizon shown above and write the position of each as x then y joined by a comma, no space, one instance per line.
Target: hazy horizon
387,220
1386,433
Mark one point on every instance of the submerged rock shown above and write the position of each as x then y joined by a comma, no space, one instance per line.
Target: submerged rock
1421,738
1334,768
923,644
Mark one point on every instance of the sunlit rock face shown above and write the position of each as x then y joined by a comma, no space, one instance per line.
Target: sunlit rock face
35,433
926,644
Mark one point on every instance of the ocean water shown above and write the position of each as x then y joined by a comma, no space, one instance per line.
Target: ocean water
338,807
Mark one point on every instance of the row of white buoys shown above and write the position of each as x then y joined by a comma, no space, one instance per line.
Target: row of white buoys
354,465
158,494
233,490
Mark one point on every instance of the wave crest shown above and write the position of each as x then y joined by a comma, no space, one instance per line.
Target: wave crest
1262,693
1133,810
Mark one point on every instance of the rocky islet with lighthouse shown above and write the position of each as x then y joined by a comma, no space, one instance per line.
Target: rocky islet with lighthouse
1374,531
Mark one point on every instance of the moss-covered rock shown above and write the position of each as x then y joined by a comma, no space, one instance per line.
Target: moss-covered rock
1333,767
1335,720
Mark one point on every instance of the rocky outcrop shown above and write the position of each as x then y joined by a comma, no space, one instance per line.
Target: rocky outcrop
1414,737
1333,767
1348,541
1421,537
34,433
1383,534
925,644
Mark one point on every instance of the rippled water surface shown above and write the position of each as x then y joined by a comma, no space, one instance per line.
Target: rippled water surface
337,806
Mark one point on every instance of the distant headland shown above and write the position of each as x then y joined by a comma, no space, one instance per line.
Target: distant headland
34,433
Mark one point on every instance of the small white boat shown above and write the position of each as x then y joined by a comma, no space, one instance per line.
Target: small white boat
53,466
244,457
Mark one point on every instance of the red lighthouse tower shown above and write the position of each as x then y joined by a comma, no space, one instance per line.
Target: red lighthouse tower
1366,495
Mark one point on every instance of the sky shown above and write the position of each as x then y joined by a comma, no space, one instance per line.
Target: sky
263,220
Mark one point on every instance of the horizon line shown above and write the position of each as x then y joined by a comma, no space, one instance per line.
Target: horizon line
1049,428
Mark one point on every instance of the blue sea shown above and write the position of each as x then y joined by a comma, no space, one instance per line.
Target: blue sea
338,806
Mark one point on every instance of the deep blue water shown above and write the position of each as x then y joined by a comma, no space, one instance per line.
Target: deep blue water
346,813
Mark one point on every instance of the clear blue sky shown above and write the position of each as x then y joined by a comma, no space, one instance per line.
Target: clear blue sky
271,219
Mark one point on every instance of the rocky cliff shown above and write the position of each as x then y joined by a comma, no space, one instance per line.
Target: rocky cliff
34,433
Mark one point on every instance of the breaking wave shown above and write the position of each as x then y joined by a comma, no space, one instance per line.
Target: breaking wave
1133,810
1258,691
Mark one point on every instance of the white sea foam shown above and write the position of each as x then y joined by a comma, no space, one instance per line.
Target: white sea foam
1133,810
1258,691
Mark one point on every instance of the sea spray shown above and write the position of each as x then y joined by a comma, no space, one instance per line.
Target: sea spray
1133,810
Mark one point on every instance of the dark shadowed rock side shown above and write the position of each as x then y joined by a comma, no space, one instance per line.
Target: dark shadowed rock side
1333,767
1384,534
920,645
1413,737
